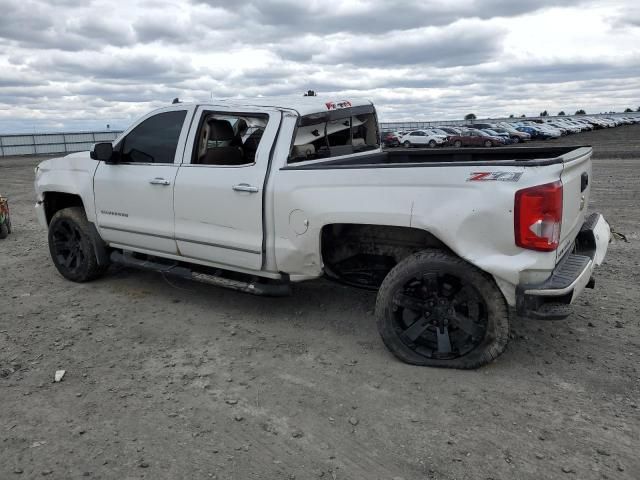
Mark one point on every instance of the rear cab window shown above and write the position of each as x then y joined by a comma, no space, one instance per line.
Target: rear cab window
335,133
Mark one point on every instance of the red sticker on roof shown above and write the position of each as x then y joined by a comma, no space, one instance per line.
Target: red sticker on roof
337,105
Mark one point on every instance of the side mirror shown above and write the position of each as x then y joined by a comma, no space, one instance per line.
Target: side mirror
102,151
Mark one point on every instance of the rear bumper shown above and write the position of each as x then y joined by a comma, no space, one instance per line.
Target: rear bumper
551,299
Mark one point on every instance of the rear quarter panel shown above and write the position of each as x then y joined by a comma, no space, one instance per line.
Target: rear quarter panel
474,218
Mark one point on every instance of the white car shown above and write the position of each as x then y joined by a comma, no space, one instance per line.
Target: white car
256,195
422,138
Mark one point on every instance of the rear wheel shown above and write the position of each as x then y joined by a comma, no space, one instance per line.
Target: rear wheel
71,245
515,139
4,231
407,144
457,144
432,143
435,309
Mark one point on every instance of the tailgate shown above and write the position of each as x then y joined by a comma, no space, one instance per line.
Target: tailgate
576,182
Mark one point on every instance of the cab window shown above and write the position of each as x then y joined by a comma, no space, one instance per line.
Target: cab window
339,133
229,139
155,140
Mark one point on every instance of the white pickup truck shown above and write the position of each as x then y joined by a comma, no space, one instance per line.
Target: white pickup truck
256,195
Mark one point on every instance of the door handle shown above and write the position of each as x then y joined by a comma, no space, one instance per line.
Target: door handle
159,181
245,187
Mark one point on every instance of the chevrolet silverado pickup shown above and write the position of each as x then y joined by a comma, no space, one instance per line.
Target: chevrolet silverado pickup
256,195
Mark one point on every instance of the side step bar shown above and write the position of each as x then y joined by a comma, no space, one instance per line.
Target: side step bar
254,287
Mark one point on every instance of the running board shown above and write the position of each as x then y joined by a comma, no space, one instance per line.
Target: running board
175,269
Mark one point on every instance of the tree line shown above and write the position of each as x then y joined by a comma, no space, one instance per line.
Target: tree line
544,113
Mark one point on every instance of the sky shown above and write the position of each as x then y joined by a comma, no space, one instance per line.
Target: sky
85,64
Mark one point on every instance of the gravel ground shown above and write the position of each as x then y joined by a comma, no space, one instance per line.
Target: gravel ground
167,379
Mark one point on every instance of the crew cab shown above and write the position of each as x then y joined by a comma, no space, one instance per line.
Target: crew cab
256,195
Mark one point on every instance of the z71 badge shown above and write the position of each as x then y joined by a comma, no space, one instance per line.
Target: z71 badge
494,176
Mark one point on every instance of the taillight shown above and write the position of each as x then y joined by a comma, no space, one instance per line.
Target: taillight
538,216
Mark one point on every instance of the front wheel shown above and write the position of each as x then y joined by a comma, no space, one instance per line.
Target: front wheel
515,139
432,143
457,144
488,143
434,309
71,245
407,144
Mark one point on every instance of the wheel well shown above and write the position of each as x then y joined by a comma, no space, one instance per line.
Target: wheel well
55,201
362,254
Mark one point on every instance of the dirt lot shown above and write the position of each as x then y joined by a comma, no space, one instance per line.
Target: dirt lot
168,379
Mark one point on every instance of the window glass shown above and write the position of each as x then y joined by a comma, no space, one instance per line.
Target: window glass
155,140
331,138
229,139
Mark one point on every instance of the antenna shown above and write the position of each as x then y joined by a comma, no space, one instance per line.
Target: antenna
175,100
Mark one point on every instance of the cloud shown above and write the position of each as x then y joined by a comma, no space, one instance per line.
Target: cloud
71,63
372,16
462,43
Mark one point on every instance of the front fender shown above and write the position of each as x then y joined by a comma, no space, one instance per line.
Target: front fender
73,175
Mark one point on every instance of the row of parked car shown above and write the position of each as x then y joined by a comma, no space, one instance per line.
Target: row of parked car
500,133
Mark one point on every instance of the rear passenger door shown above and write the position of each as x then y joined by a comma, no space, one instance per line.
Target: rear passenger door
218,196
475,138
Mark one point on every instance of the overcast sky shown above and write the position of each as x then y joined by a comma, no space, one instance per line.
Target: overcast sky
80,64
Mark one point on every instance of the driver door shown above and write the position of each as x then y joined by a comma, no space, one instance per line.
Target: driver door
134,192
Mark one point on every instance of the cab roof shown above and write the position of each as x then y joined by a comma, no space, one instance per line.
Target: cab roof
303,105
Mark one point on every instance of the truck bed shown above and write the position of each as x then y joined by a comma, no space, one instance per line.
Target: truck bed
508,156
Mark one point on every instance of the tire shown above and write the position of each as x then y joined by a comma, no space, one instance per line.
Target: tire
4,231
516,139
432,299
407,144
488,144
432,144
71,245
457,144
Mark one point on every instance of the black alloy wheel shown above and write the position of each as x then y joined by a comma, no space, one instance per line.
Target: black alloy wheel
73,245
435,309
439,316
67,246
